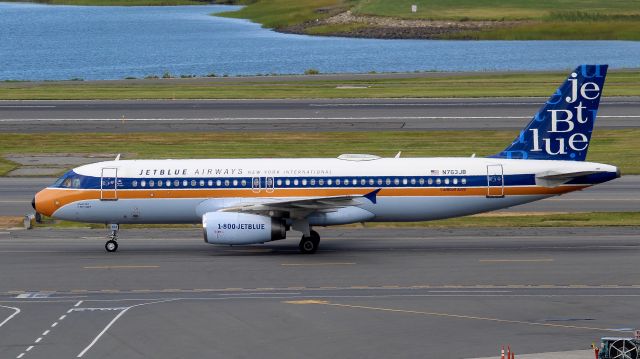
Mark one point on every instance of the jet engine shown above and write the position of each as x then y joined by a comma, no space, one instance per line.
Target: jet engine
241,228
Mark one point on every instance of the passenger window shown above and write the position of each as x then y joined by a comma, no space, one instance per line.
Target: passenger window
387,181
430,181
176,183
210,183
446,181
438,181
396,181
295,182
329,181
193,183
313,181
243,183
279,182
404,181
235,183
379,181
287,181
455,181
338,181
143,183
201,183
134,183
371,182
218,183
226,183
168,183
413,181
151,183
304,182
422,181
321,182
185,183
159,183
463,181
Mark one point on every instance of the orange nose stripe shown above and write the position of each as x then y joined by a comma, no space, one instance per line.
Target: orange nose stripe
47,201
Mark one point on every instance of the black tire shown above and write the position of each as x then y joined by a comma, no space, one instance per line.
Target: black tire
111,246
308,245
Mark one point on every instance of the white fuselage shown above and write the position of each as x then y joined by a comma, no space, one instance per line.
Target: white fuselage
411,189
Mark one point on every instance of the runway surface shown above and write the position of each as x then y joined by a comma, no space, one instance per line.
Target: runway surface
380,293
292,115
620,195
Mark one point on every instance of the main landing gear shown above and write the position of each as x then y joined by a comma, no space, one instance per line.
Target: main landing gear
112,244
309,245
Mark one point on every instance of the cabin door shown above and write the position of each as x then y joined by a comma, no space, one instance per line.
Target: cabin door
109,184
495,181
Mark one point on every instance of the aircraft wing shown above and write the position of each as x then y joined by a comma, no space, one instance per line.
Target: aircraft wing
300,208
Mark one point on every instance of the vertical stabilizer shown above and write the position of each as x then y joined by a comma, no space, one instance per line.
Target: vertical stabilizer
561,130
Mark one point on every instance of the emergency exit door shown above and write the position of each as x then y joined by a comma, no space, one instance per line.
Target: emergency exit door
109,184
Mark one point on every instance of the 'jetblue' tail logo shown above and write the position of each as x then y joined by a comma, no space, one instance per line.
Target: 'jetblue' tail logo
561,130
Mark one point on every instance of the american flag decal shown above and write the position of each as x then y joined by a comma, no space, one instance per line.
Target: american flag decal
435,172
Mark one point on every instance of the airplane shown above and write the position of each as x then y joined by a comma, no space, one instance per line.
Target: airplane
251,201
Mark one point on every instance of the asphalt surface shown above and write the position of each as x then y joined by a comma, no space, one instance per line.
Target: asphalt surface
367,293
292,115
620,195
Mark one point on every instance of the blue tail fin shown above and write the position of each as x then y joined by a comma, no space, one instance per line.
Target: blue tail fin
561,129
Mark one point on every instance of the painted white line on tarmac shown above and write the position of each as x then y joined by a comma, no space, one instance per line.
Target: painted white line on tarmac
95,340
27,106
16,311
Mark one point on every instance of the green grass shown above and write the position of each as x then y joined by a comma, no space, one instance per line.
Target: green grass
556,30
493,220
535,20
496,9
585,219
6,166
120,2
283,13
619,83
618,147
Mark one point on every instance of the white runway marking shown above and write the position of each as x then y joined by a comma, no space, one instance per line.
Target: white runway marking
46,332
95,340
27,106
231,119
16,311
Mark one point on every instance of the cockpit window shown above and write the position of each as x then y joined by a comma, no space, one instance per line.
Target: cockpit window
68,180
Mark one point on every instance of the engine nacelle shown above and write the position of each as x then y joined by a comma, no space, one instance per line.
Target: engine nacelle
241,228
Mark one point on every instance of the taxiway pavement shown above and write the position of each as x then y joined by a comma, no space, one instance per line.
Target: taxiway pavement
401,293
292,115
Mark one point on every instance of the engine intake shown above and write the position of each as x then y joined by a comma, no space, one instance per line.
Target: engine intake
241,228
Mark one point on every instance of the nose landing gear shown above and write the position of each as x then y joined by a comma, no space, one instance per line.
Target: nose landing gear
112,244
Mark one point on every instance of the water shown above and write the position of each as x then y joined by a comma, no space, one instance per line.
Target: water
41,42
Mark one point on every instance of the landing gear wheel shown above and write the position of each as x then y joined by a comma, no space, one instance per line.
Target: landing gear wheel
111,246
309,245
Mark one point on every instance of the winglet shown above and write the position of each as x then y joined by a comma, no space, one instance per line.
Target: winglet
371,196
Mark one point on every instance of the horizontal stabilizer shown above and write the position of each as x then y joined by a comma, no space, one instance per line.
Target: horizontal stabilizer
557,178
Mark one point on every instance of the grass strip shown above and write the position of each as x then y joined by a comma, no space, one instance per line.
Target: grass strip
492,220
617,147
425,85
